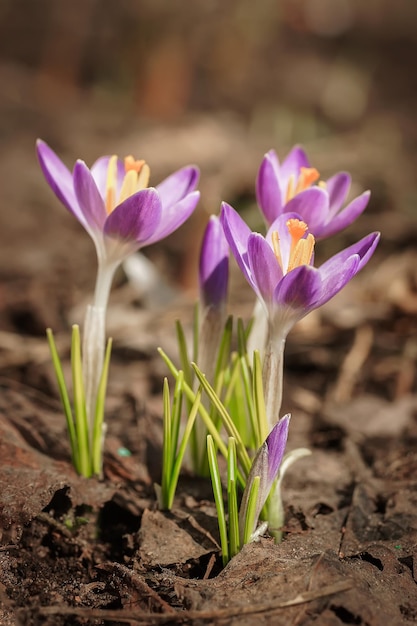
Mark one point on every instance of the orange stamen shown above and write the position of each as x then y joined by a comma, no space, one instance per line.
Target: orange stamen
133,164
301,249
308,176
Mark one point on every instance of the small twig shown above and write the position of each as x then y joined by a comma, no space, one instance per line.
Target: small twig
209,567
353,363
139,585
189,616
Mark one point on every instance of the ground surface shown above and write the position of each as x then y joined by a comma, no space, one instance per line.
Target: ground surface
74,551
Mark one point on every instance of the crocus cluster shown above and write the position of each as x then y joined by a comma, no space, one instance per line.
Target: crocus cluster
114,203
299,210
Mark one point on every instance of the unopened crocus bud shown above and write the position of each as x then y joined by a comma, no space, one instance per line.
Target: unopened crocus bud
213,278
266,466
214,265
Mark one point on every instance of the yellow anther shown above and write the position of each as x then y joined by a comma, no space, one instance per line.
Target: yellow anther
276,247
302,253
128,185
290,188
143,178
136,178
111,184
322,184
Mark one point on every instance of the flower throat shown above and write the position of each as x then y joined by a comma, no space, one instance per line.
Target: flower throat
136,178
301,249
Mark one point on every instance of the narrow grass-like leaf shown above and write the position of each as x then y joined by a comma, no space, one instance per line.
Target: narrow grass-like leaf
223,355
63,392
244,389
258,394
250,519
167,454
190,395
98,435
81,424
234,544
173,480
226,419
196,330
176,415
218,497
241,341
183,350
247,330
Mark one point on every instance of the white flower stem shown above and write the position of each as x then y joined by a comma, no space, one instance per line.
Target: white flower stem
94,340
272,376
259,333
105,274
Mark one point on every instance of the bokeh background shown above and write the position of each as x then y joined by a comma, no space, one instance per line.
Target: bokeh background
207,82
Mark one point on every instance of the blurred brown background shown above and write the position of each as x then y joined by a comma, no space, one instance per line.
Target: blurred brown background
210,82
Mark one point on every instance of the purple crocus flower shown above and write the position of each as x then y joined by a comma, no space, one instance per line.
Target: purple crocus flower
287,188
279,266
266,465
279,269
113,203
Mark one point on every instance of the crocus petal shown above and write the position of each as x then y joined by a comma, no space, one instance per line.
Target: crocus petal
135,219
338,188
265,269
214,264
291,165
276,442
177,186
299,290
59,178
237,234
89,197
312,205
174,215
335,280
342,267
99,170
346,216
364,248
268,191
